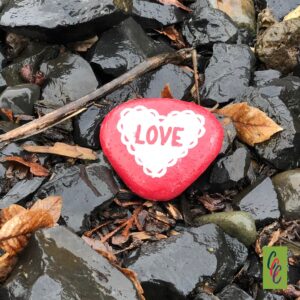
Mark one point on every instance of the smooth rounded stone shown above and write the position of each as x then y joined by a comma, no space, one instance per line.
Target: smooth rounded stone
264,295
151,142
233,292
123,47
287,186
230,171
280,103
280,8
277,47
57,264
21,191
228,73
60,21
261,201
151,84
69,77
172,268
84,189
208,26
238,224
33,55
20,98
151,14
264,77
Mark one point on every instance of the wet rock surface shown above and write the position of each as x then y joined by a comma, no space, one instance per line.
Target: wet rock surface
123,47
234,292
287,186
161,276
228,73
208,26
261,201
84,190
20,99
59,265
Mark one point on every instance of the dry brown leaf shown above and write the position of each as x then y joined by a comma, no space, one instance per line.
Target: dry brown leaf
174,35
64,150
274,237
176,3
166,92
252,125
83,46
35,168
173,211
7,263
8,113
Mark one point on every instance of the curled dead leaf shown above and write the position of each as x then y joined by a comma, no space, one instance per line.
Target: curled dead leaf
176,3
174,35
253,126
166,92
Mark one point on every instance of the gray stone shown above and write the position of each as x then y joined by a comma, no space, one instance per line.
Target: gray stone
228,73
58,265
280,8
173,267
262,78
234,292
287,186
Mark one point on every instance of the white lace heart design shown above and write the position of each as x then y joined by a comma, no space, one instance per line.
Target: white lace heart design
156,141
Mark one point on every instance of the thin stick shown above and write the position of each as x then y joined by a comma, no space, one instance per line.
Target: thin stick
196,74
74,108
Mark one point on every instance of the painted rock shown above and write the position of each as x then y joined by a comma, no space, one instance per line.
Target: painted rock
160,146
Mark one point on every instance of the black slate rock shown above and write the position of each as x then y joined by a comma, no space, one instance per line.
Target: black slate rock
123,47
264,77
69,77
84,189
173,267
58,264
20,99
228,73
234,292
62,21
208,26
261,201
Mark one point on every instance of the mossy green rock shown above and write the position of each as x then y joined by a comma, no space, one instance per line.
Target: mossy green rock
238,224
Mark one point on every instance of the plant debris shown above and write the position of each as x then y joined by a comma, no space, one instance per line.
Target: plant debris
174,35
166,92
176,3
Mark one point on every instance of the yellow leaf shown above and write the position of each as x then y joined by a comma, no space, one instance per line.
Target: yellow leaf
252,125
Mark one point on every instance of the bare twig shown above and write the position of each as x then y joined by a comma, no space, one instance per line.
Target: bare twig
196,74
74,108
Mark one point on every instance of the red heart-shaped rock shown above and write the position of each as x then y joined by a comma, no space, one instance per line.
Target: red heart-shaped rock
160,146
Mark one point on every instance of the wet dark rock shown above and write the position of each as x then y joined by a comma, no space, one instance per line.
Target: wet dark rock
3,83
57,265
277,47
230,171
208,26
151,84
233,292
62,22
237,224
279,100
151,14
264,295
33,55
204,296
260,200
228,73
20,99
6,126
12,149
262,78
85,190
173,267
287,186
123,47
280,8
20,191
69,77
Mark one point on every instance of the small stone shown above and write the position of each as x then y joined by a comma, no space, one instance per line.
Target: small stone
123,47
175,266
231,171
233,292
280,8
287,186
84,189
57,265
238,224
262,78
228,73
69,77
260,200
20,99
208,26
277,47
151,142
